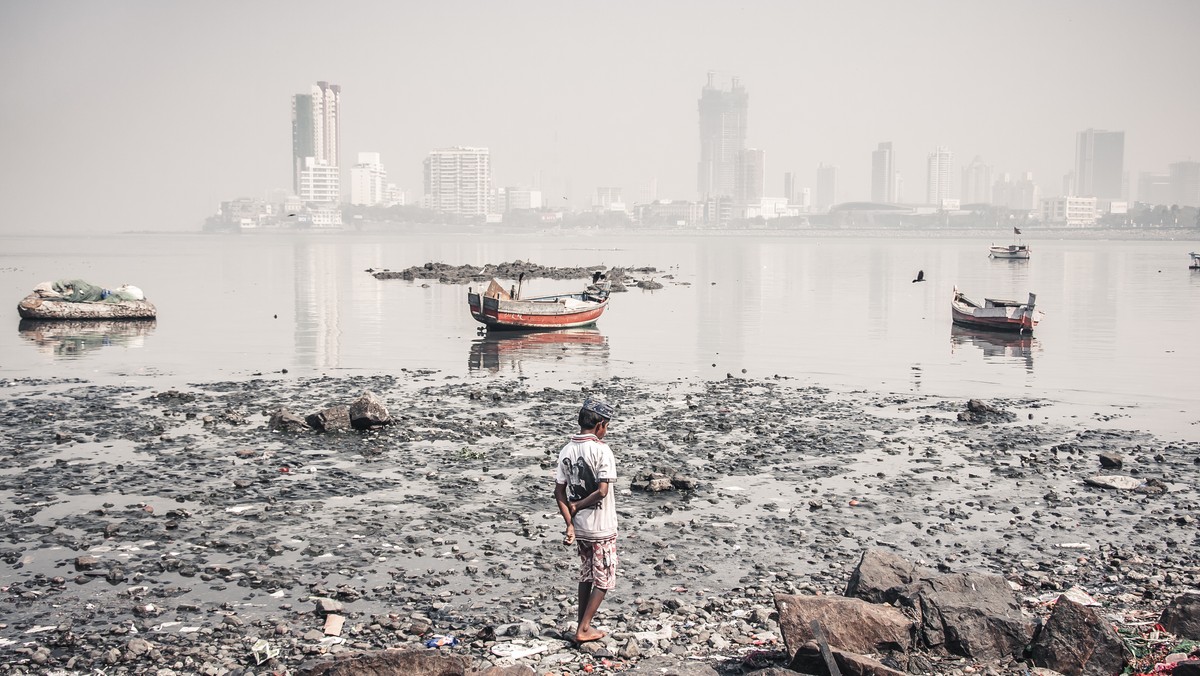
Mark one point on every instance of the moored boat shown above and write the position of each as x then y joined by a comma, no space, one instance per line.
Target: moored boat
995,314
1195,261
1011,251
497,309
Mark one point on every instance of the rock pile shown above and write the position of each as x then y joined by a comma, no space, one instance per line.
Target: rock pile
366,412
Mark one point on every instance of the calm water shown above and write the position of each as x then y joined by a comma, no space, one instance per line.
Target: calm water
1121,326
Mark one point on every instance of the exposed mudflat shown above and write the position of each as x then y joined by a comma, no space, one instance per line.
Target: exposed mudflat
149,531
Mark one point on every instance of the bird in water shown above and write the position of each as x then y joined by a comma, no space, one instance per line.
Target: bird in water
920,276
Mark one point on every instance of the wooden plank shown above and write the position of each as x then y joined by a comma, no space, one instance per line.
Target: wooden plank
826,653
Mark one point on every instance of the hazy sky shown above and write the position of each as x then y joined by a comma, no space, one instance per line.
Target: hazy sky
143,115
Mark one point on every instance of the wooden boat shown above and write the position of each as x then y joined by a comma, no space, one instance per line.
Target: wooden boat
1012,251
497,309
995,314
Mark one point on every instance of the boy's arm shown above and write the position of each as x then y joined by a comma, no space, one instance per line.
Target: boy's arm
592,498
564,508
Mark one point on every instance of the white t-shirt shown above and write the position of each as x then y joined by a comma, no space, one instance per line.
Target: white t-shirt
583,464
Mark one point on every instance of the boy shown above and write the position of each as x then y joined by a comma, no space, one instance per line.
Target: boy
583,489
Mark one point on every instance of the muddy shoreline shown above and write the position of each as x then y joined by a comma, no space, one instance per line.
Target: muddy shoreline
148,529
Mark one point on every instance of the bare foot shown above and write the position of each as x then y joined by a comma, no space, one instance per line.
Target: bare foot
592,634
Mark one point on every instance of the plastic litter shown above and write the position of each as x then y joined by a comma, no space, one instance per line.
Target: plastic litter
263,651
440,641
516,650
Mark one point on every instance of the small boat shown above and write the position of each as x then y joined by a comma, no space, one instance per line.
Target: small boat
76,299
1012,251
497,309
1195,261
995,314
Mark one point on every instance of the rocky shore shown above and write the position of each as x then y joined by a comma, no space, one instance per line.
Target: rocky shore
213,529
444,273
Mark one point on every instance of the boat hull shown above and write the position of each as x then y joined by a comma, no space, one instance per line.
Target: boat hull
35,306
1008,317
1010,252
549,312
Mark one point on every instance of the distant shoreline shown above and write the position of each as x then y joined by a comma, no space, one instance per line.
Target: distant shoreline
992,234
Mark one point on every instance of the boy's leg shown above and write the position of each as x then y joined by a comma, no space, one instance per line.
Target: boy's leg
585,592
585,632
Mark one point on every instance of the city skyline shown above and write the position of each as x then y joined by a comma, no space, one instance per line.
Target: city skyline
573,98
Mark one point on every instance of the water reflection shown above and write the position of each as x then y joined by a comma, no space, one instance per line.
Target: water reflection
513,350
996,345
71,339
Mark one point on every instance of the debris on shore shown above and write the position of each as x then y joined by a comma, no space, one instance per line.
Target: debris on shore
177,532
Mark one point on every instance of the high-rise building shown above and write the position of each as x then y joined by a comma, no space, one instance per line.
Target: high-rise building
1099,164
1154,188
977,182
1185,184
937,186
789,187
883,174
368,181
316,130
319,182
458,181
722,137
827,186
609,199
751,176
1019,195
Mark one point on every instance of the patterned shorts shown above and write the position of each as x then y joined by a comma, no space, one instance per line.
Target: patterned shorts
598,562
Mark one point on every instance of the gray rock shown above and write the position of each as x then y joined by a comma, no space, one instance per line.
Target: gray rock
1115,481
1182,616
968,614
1077,641
368,411
283,420
880,576
1110,461
326,606
332,419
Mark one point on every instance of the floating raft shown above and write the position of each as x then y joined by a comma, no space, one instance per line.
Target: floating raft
37,306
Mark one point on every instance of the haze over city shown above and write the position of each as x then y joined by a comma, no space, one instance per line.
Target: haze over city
144,115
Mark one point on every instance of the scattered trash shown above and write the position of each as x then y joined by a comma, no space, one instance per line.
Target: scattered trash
284,470
40,629
516,651
333,624
263,651
440,641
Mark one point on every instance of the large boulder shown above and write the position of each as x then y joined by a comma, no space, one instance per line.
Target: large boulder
368,411
1182,616
881,576
850,624
332,419
808,660
1077,641
974,615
